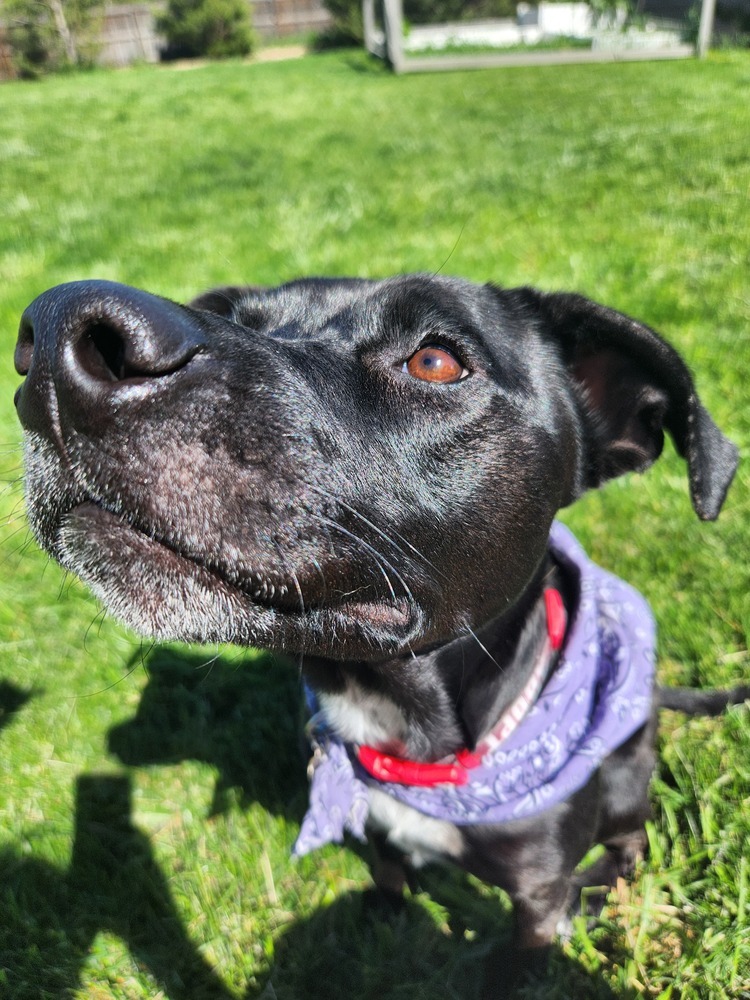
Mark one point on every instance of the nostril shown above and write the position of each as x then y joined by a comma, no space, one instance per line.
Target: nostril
114,350
101,353
24,351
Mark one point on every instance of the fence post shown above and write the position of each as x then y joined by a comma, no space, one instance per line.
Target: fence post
374,42
706,27
393,14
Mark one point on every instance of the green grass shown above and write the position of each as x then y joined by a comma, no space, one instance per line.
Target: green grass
149,797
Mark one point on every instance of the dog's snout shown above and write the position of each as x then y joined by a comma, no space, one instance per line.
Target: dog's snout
84,341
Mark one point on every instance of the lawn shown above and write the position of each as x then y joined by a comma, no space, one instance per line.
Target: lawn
149,796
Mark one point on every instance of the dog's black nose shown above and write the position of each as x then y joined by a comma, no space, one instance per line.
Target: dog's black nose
87,343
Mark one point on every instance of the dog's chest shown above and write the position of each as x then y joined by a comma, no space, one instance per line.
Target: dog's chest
360,716
364,717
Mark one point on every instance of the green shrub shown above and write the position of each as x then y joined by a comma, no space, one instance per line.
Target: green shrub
217,29
347,20
732,25
50,35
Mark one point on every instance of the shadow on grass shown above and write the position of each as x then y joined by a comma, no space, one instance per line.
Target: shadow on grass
362,946
358,946
243,718
50,917
12,700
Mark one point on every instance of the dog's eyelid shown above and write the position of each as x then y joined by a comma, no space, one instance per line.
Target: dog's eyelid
463,352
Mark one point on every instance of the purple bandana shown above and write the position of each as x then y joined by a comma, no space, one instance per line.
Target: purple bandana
598,695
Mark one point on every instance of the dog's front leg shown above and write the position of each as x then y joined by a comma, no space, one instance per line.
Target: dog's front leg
534,860
540,900
541,911
540,908
391,871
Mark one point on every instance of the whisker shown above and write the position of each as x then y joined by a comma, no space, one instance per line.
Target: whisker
17,550
378,556
98,617
11,448
298,588
482,646
385,577
318,567
384,535
209,664
454,247
11,486
18,510
22,526
135,664
66,582
325,523
144,650
295,579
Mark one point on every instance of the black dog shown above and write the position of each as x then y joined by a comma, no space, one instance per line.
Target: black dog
366,473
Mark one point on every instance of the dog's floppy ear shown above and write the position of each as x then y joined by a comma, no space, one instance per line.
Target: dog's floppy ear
633,385
222,300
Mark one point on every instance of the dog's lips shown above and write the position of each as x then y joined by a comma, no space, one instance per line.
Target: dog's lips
395,613
161,591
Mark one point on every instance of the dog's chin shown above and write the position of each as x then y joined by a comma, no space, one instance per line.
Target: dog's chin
163,594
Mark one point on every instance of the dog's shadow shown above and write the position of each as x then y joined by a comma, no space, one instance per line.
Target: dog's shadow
243,720
362,946
242,716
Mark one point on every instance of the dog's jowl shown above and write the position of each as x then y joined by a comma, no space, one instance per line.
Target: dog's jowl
366,474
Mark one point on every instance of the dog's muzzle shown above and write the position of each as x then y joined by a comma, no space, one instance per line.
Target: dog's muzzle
132,483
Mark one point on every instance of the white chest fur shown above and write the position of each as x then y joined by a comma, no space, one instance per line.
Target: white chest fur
360,716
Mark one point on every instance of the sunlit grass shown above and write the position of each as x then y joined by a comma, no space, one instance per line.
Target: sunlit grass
149,799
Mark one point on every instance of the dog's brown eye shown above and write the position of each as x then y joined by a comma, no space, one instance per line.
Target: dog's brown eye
435,364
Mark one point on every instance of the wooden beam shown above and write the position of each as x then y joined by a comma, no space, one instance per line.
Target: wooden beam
554,57
706,26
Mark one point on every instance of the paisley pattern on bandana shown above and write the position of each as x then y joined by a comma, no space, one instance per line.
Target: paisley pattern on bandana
599,694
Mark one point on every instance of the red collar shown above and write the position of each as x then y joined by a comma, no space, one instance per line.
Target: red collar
387,767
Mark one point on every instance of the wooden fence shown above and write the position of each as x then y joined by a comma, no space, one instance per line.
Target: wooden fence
7,70
277,18
128,31
128,34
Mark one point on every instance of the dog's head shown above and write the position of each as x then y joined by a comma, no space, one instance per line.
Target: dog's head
341,467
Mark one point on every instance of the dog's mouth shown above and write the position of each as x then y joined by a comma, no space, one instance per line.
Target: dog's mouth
160,589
